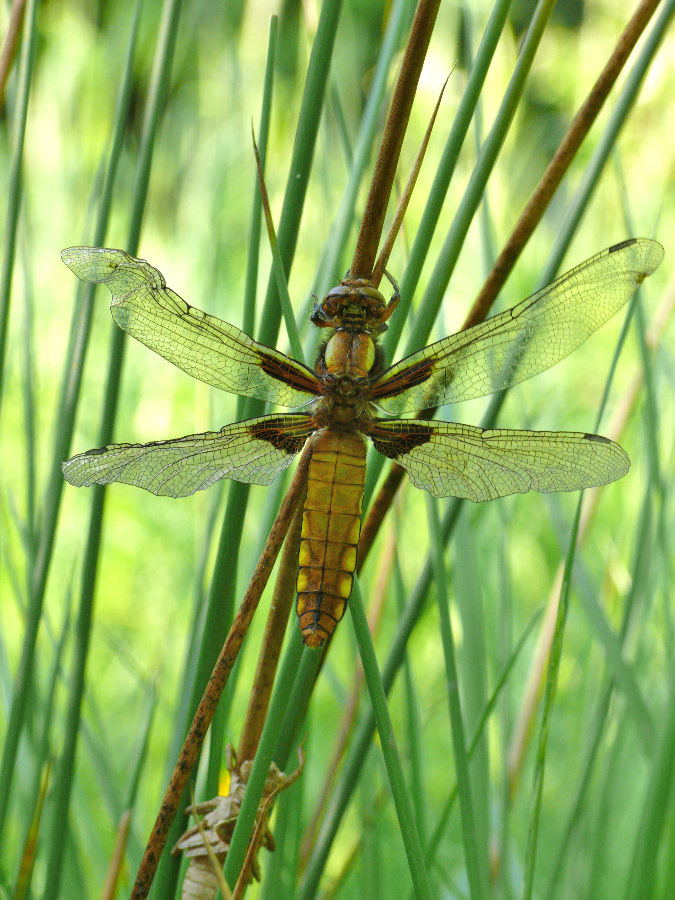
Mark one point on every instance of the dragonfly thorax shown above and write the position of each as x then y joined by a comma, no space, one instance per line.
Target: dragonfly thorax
349,354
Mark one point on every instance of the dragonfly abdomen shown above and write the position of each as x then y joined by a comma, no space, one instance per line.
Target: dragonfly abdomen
331,524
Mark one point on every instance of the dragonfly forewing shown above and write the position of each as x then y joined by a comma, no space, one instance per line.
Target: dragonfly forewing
522,341
202,345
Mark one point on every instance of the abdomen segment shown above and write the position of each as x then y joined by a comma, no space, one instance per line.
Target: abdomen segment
331,525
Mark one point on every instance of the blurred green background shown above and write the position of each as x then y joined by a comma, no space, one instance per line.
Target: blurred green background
156,554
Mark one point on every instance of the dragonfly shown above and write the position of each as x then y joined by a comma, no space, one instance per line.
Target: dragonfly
351,398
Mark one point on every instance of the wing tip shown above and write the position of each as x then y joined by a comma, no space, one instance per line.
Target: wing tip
88,263
652,252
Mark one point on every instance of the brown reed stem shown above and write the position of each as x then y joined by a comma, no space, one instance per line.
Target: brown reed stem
556,169
9,46
394,130
270,650
221,671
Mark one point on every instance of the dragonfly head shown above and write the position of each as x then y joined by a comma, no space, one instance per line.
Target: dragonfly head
355,306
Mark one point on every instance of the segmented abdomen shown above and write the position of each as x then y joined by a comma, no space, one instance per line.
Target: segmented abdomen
331,524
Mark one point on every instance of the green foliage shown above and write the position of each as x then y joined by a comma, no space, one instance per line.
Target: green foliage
114,604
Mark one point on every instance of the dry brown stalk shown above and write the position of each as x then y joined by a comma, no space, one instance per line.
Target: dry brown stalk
556,169
530,217
394,130
110,884
536,675
402,206
11,40
270,650
221,671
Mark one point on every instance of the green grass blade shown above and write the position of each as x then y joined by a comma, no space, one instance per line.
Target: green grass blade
25,77
644,533
435,840
414,723
297,705
657,805
28,390
251,288
475,856
280,276
301,164
549,698
376,690
43,757
270,734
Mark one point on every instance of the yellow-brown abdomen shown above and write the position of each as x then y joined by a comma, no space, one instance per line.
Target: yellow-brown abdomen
331,524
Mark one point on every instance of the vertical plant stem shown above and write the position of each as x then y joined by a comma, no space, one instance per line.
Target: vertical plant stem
476,873
239,493
376,690
392,139
14,184
270,648
263,758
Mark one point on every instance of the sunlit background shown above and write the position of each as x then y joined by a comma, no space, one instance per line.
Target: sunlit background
156,553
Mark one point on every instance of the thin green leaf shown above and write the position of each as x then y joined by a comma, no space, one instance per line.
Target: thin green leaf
376,690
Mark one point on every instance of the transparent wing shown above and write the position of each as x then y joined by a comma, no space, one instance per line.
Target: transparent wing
254,451
201,345
522,341
452,460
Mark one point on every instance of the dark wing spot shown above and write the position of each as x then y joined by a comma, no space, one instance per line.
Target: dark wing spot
407,378
394,444
597,437
621,245
280,434
289,373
